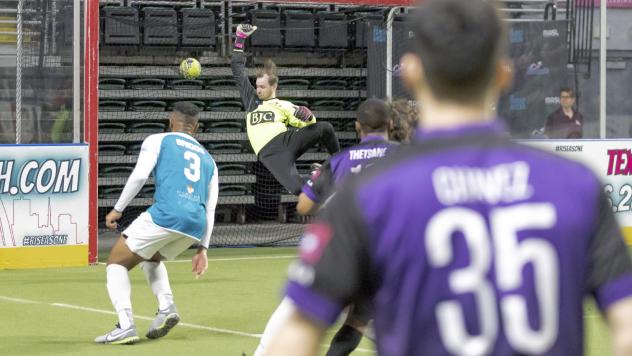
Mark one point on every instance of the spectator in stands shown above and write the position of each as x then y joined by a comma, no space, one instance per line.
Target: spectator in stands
62,130
278,130
566,122
403,120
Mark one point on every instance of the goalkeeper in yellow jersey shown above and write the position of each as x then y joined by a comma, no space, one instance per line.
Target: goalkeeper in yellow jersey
278,130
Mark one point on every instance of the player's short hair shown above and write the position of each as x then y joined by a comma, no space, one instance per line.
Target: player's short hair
187,111
568,90
459,43
270,69
404,118
373,115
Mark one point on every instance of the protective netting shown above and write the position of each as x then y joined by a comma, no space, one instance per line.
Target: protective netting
321,64
39,110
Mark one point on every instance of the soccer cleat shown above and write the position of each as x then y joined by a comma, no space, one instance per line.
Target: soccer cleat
119,336
165,321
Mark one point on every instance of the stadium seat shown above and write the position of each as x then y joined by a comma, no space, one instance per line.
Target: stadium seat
199,104
294,83
133,149
329,84
198,27
352,105
115,171
191,84
121,25
357,84
110,192
147,191
112,105
333,32
112,127
221,83
112,83
299,102
233,189
363,24
112,150
147,83
268,33
299,28
147,127
148,105
224,148
231,169
224,105
225,126
160,26
328,105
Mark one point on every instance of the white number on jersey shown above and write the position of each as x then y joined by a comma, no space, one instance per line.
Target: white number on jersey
193,171
510,256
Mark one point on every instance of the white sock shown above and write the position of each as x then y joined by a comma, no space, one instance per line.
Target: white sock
120,291
158,279
277,319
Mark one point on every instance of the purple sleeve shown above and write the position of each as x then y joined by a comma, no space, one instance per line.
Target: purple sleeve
610,268
332,269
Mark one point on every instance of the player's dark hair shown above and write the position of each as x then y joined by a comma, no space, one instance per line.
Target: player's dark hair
188,112
373,115
459,43
270,69
568,90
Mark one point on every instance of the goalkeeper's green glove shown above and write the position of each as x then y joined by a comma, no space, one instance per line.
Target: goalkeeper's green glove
243,32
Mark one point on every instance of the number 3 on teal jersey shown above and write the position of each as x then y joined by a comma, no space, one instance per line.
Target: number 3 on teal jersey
193,171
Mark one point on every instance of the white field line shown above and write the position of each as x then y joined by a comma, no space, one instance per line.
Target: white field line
234,259
109,312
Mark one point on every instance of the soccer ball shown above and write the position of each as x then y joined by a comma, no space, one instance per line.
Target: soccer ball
190,68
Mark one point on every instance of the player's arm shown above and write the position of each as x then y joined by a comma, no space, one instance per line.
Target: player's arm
319,185
200,260
238,67
332,269
610,277
299,116
298,336
144,166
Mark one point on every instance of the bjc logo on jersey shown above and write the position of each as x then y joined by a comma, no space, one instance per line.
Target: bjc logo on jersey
259,117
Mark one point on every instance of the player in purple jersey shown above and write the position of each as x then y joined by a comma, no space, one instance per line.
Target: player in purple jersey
372,124
466,242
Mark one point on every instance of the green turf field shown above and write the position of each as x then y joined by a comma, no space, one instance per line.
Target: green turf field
60,311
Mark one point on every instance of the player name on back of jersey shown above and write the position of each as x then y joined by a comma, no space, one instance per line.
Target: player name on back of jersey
503,183
367,153
189,145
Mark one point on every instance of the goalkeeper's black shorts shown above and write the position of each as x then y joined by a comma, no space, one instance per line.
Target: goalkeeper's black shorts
280,154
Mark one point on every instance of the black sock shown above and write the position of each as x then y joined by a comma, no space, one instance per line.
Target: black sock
345,341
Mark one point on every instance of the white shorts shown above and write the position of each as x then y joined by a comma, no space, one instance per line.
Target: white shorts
145,238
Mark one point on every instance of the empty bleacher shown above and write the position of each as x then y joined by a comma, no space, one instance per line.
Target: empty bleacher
138,86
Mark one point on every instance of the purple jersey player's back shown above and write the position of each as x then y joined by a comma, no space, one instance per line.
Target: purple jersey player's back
468,244
351,160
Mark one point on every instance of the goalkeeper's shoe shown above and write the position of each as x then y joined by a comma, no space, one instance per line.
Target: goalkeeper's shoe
119,336
165,321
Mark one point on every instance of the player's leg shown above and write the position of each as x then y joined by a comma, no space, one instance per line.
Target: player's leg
280,161
167,316
321,132
350,334
277,319
143,241
120,261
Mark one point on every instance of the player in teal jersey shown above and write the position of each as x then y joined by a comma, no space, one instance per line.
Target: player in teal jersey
182,214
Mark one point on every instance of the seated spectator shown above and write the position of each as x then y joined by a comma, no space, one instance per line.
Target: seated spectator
566,122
